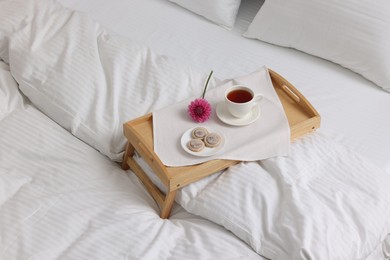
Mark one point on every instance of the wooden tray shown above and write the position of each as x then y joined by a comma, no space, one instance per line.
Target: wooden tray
302,118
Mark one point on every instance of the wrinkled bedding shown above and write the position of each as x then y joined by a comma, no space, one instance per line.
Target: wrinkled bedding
86,79
322,202
61,198
10,98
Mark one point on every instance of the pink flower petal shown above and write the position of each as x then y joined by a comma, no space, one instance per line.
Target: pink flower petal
199,110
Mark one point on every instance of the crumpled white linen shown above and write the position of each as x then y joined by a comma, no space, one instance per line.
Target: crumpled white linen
67,201
10,98
323,202
280,168
86,79
266,137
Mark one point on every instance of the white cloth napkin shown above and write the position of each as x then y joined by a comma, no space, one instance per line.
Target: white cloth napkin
267,137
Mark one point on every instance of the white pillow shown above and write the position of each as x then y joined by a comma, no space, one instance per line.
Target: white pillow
222,12
352,33
90,82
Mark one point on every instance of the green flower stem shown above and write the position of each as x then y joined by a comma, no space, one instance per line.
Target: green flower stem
207,84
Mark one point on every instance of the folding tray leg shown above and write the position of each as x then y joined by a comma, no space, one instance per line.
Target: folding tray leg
129,152
166,206
165,202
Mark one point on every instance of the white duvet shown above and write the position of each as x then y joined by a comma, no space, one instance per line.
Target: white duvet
323,202
87,80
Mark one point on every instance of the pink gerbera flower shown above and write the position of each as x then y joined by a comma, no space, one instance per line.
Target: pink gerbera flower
199,110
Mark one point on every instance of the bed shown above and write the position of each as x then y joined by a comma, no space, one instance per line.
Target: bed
72,72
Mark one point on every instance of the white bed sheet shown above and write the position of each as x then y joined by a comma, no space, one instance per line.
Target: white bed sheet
353,109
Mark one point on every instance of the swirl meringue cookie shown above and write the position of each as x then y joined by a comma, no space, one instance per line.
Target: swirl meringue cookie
212,140
195,145
199,132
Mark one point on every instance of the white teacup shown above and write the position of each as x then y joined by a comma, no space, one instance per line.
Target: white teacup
240,100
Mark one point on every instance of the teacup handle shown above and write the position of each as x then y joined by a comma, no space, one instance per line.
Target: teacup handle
258,97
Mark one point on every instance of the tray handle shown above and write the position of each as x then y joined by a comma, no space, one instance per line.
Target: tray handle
291,93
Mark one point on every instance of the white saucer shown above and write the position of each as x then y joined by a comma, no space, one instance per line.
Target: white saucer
207,151
224,115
